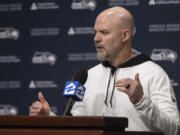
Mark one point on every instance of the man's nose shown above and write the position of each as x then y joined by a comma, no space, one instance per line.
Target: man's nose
97,38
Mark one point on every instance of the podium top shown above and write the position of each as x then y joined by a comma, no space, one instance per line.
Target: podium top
110,125
64,122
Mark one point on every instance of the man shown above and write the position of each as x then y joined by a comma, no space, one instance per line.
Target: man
124,85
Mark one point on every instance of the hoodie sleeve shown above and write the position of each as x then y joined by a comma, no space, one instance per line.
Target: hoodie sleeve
159,110
79,109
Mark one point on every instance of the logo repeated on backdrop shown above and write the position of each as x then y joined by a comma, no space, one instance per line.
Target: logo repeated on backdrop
134,31
44,58
53,31
84,4
7,109
11,7
136,52
9,33
9,59
163,55
80,30
164,27
42,84
16,84
82,57
174,83
44,6
163,2
123,3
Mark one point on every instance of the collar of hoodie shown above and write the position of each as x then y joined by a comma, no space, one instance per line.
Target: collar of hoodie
113,71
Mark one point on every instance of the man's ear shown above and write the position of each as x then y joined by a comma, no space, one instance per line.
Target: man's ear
126,35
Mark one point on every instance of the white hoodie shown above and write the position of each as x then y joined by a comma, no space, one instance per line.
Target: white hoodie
157,111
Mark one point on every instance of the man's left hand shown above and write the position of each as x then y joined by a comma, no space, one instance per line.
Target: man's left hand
132,88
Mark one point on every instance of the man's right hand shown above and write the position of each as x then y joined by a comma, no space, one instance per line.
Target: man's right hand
39,108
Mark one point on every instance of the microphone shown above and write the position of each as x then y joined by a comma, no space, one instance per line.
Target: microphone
74,90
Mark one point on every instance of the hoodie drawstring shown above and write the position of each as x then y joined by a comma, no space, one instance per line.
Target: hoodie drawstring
113,71
107,91
113,89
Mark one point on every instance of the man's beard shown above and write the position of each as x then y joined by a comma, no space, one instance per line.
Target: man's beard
101,56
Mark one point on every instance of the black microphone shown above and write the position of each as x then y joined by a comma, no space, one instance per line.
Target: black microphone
71,90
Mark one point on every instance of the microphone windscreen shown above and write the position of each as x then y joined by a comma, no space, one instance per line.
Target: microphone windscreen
80,75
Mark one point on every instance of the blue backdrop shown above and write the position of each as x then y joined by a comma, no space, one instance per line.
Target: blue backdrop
43,42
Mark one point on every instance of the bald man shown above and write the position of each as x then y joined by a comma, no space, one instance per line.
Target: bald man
124,84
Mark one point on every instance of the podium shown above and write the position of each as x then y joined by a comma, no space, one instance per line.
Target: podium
66,125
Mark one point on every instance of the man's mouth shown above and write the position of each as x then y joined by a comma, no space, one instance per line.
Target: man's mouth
99,48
